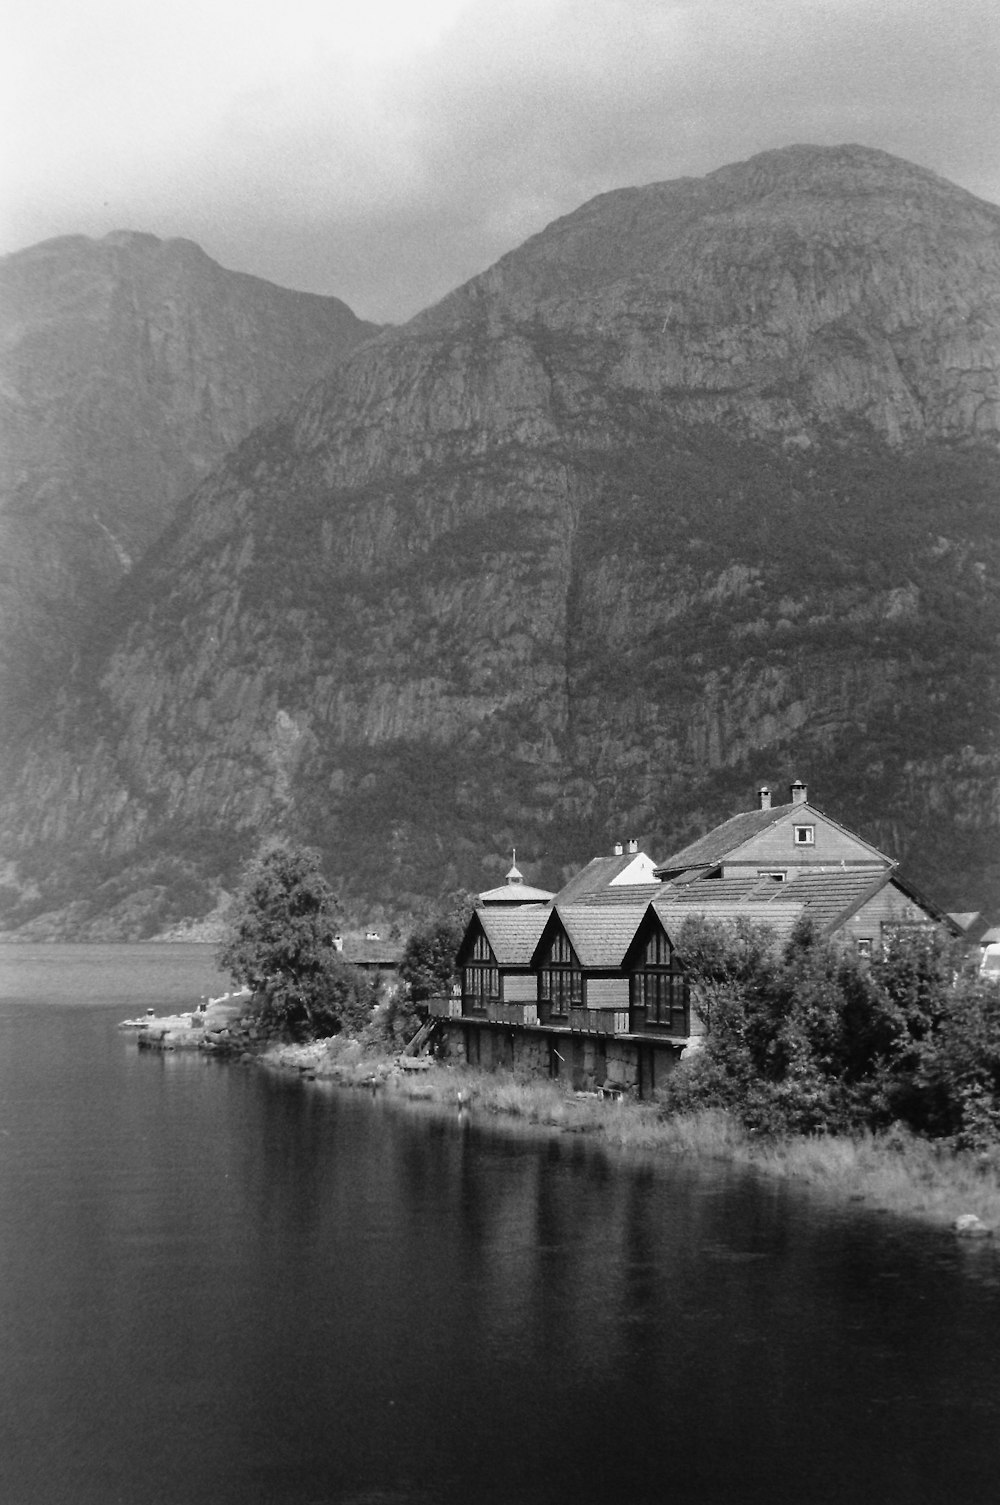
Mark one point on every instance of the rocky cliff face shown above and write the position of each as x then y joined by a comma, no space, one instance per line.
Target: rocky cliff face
128,368
697,488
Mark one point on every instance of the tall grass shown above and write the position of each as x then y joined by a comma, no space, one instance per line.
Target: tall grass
897,1173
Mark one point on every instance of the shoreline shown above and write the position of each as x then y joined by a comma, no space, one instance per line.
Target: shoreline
895,1174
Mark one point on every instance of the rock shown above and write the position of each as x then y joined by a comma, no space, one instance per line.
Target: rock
968,1225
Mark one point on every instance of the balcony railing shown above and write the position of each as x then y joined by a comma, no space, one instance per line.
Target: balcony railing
494,1012
580,1021
599,1021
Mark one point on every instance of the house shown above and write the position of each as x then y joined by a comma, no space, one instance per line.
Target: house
774,841
589,985
592,993
779,864
378,958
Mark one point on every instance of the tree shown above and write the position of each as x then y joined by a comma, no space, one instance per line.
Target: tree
429,957
280,943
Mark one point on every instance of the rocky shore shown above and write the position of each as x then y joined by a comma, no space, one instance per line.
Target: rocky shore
218,1026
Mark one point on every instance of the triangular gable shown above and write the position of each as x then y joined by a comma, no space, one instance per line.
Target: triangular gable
512,933
726,842
599,935
473,931
641,869
650,921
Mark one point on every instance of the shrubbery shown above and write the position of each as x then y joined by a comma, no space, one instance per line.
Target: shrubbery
808,1038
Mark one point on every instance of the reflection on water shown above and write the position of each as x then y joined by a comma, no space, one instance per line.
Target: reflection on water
220,1285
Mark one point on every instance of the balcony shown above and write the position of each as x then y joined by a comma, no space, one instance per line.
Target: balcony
492,1011
599,1021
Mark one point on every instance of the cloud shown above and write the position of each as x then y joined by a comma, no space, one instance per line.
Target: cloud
386,152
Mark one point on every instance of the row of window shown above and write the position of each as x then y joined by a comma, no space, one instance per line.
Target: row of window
661,992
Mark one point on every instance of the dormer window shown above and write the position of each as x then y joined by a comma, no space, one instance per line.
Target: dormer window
805,836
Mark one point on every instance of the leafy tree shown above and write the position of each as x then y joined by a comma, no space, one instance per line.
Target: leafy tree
429,957
279,942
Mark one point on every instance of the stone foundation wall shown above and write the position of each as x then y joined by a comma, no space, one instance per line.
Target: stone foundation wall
584,1062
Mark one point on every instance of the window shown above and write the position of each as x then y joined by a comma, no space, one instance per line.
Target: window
778,874
480,977
560,982
805,836
656,987
864,945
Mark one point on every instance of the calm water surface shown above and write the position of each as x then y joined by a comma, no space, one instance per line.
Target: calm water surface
218,1285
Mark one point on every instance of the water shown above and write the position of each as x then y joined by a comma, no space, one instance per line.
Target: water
220,1285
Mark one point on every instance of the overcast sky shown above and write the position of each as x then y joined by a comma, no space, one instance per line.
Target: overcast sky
386,150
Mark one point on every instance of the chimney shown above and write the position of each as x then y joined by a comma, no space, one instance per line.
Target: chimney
338,943
799,793
618,848
763,798
633,845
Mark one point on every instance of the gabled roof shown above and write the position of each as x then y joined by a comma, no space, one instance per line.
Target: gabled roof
512,933
600,873
721,840
600,934
726,840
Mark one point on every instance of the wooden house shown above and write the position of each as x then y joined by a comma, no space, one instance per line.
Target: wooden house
774,841
593,993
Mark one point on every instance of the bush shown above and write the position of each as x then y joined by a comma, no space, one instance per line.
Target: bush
810,1038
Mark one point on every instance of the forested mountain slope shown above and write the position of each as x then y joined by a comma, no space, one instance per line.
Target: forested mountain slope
696,488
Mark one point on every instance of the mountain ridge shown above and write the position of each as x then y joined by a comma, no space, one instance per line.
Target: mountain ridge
559,561
129,366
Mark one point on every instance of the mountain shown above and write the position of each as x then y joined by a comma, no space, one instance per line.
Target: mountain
129,367
697,488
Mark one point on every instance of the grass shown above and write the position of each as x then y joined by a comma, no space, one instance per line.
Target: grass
893,1173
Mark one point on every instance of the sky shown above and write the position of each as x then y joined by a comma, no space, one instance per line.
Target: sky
386,150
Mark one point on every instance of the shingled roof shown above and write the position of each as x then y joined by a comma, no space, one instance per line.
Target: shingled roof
719,842
828,897
600,934
513,933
